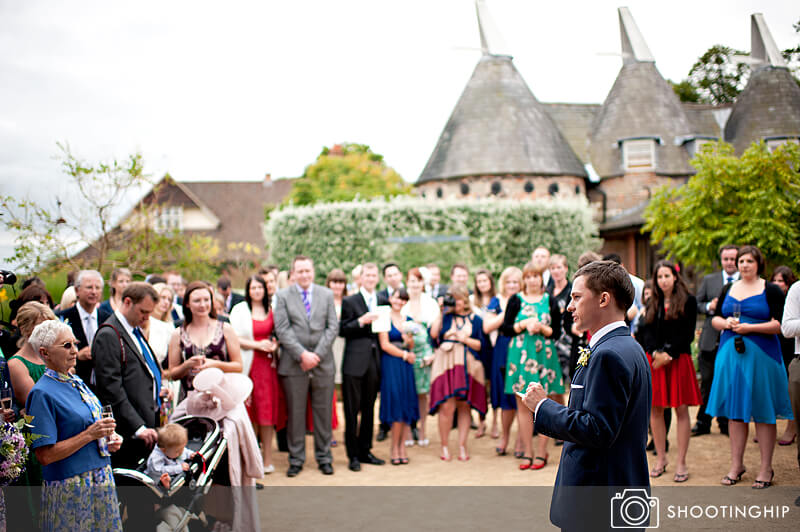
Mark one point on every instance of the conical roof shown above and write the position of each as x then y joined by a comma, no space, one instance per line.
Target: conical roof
769,106
499,127
641,104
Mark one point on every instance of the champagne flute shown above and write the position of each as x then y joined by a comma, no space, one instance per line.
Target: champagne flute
737,311
5,398
107,412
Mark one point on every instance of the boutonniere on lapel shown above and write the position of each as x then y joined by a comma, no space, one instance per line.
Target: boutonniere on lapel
585,353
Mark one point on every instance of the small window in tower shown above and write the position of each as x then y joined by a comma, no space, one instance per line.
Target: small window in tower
552,189
639,155
528,186
496,188
439,192
464,188
577,190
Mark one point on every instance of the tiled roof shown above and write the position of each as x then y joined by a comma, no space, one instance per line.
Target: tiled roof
769,106
239,206
499,127
640,104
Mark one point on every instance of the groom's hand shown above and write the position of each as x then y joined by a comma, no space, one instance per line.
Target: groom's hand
533,395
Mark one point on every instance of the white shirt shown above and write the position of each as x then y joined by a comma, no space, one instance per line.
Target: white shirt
88,316
790,325
129,329
734,276
604,331
595,338
371,299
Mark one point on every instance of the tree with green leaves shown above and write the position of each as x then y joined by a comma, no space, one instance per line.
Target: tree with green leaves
716,77
88,231
752,199
344,172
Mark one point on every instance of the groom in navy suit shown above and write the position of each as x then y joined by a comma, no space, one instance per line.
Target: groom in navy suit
604,428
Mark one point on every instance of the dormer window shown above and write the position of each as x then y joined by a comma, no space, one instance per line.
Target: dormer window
694,144
639,155
774,142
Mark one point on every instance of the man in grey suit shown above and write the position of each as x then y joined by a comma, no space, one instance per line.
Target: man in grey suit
707,295
306,325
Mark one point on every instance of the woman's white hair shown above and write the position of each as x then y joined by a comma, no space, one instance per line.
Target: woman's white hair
45,334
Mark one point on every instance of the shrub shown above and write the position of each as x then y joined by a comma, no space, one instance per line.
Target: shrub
490,233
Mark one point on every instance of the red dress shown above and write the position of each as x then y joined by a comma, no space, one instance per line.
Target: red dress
267,405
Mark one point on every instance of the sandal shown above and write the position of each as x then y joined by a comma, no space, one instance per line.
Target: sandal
462,454
519,454
681,477
404,461
728,481
763,484
396,461
501,451
529,465
445,454
658,471
787,442
542,462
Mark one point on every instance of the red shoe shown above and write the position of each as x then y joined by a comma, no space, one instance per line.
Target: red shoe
540,464
445,454
525,466
462,454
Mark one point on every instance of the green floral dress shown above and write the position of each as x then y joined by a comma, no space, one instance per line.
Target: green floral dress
532,357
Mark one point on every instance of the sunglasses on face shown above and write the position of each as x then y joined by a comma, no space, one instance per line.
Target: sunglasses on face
69,345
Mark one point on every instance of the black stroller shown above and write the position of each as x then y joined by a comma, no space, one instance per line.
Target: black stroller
139,493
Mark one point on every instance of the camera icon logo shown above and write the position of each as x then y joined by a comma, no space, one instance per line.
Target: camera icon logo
633,508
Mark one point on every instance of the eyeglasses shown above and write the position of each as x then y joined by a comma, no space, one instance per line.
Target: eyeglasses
69,345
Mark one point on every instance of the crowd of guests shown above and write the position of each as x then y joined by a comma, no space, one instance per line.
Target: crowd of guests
462,353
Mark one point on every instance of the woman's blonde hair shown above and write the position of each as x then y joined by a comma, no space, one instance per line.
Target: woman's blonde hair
508,272
29,316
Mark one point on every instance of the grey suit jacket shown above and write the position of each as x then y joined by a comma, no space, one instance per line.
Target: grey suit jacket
297,332
710,287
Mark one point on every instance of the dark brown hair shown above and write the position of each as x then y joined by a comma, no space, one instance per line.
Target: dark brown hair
492,291
677,299
335,275
197,285
606,276
788,275
753,252
137,291
260,280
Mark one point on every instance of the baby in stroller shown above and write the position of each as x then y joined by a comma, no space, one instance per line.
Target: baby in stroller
170,457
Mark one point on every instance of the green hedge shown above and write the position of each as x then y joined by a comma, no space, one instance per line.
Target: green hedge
496,233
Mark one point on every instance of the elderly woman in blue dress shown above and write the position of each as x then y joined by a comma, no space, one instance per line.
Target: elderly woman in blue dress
74,440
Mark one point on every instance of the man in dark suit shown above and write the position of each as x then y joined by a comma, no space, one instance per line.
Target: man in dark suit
393,278
604,428
707,298
360,369
128,375
306,325
436,289
231,297
85,318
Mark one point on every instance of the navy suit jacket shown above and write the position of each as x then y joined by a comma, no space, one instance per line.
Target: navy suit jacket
604,428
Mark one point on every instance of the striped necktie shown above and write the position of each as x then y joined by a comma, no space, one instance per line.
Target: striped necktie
307,303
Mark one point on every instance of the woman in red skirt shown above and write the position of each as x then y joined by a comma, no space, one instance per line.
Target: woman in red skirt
253,323
670,324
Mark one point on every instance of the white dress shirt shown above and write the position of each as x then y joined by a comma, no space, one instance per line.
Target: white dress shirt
370,298
88,323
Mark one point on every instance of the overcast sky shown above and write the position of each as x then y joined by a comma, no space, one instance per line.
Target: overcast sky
234,90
